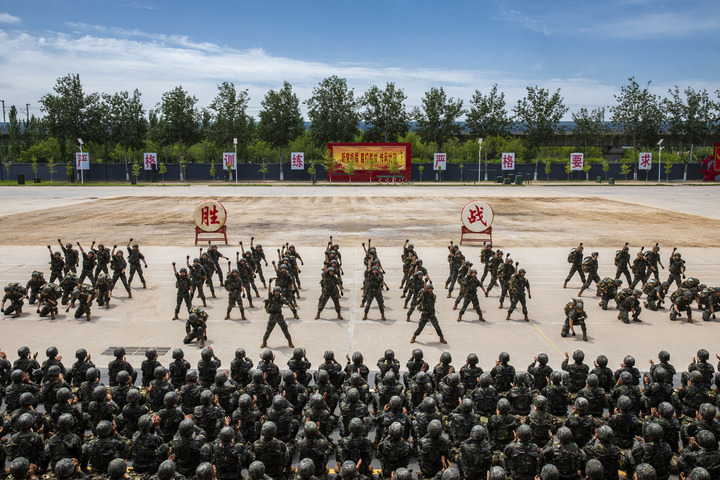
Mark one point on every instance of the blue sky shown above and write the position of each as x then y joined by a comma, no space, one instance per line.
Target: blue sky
587,49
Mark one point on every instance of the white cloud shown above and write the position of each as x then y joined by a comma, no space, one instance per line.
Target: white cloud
111,61
7,18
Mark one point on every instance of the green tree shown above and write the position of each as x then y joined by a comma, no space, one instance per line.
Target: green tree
125,121
136,169
15,135
51,168
589,127
540,113
638,116
34,165
689,118
605,167
349,170
230,119
280,119
438,120
420,169
312,170
70,114
263,170
625,169
488,118
384,113
333,112
178,121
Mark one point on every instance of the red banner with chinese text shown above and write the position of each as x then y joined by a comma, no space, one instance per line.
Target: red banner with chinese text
717,157
369,160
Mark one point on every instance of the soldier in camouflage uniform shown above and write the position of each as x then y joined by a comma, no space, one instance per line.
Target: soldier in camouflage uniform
56,265
198,276
233,284
416,283
215,257
246,274
575,258
67,285
89,263
332,288
631,304
540,371
72,257
189,448
485,255
503,373
492,266
565,455
273,306
639,269
184,288
656,297
134,259
462,277
577,371
432,449
393,451
676,266
602,448
504,273
522,457
474,457
118,265
285,281
209,268
84,298
373,291
15,293
314,447
195,329
472,283
591,268
653,260
34,286
622,262
608,290
710,300
455,263
576,315
502,425
48,302
258,256
541,422
103,290
683,303
517,285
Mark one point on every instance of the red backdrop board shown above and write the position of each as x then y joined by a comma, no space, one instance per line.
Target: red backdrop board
376,161
717,157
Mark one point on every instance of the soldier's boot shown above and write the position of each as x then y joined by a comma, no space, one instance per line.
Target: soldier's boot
250,302
202,342
403,295
584,336
107,305
407,319
412,340
144,285
213,294
204,303
508,316
645,304
442,340
317,316
52,315
295,315
264,343
459,317
227,316
365,316
637,319
176,316
526,318
565,284
264,285
16,314
257,294
242,315
446,287
501,305
339,316
455,306
129,294
480,317
405,305
87,316
449,295
290,343
690,319
382,316
580,292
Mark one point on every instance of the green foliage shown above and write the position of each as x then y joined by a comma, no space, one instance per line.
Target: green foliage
421,168
125,119
568,169
34,165
385,115
263,170
487,116
333,111
51,168
625,169
162,169
7,169
349,169
229,118
589,127
212,168
136,168
280,119
69,170
605,167
15,135
178,121
437,121
312,170
43,151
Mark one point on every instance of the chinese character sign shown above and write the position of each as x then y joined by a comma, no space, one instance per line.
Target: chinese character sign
82,161
576,161
477,216
229,161
440,162
297,161
149,160
508,161
210,216
645,161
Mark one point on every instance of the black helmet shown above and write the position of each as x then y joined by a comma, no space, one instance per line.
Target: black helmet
20,467
306,468
348,470
92,374
81,354
503,406
311,429
706,440
594,470
26,399
104,429
696,377
520,378
133,396
122,377
191,376
445,358
485,380
17,376
478,433
288,377
206,354
166,470
227,435
661,375
708,410
395,403
207,397
666,410
53,371
549,472
451,473
119,352
524,433
556,377
267,355
504,357
317,401
472,359
543,358
602,361
245,401
159,372
653,433
578,356
417,354
593,380
64,468
703,354
51,352
541,402
356,426
582,405
24,422
389,377
697,473
257,376
23,352
186,427
183,270
453,379
145,422
606,434
278,402
151,353
435,428
395,430
353,395
178,354
99,393
663,356
63,395
268,430
220,377
624,403
626,378
497,473
171,399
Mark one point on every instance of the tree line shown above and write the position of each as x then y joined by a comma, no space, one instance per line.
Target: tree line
117,128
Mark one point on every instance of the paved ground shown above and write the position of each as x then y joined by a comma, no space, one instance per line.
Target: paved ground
145,319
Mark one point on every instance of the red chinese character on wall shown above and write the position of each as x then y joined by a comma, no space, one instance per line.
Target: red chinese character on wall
576,161
476,215
645,160
209,216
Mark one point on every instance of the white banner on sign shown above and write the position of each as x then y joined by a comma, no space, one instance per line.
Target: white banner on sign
82,161
576,161
149,160
440,162
645,161
297,161
508,161
229,162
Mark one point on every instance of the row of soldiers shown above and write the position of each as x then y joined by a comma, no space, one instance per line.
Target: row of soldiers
516,419
71,289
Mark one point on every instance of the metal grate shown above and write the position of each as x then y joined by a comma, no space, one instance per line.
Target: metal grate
137,351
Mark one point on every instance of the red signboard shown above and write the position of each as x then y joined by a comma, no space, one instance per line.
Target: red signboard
369,161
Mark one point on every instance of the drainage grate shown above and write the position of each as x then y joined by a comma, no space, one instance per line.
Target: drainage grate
137,351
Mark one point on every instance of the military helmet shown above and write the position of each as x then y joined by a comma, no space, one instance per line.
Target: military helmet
227,434
159,372
17,376
256,470
698,473
578,356
235,270
19,467
696,377
453,379
119,352
661,375
166,470
63,395
23,352
205,471
277,289
521,271
666,410
594,470
92,374
104,429
389,354
348,470
99,393
472,359
624,403
306,468
331,270
520,378
178,354
353,395
549,472
688,294
473,271
395,430
267,355
593,380
663,356
606,434
708,410
207,397
582,405
602,361
186,427
706,440
478,433
422,377
540,402
504,357
53,371
288,377
497,473
81,354
565,435
543,359
329,355
145,422
395,403
316,400
356,379
556,377
450,473
278,402
626,378
47,290
240,353
435,428
703,354
122,377
24,422
357,358
51,352
417,354
445,358
206,354
133,396
26,399
503,406
356,426
191,376
268,430
579,307
524,433
171,399
183,270
64,468
485,380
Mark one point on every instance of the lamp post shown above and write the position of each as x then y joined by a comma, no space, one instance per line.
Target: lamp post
660,147
236,161
480,140
82,177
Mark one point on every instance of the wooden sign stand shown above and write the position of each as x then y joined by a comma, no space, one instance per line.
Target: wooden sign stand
207,236
475,237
